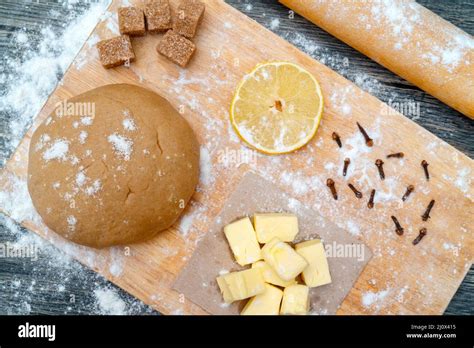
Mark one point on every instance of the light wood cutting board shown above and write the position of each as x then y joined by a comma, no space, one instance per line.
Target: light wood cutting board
400,279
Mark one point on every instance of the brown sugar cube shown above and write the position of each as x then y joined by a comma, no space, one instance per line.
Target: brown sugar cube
115,51
131,21
176,48
158,15
188,17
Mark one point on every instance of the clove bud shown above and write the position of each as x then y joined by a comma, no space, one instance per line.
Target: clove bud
379,164
426,214
409,190
369,142
370,204
425,165
357,193
396,155
423,232
332,186
337,139
398,227
347,161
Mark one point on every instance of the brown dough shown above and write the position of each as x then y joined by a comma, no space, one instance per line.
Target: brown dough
119,177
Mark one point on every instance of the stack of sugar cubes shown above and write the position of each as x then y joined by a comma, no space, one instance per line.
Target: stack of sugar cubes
156,17
272,281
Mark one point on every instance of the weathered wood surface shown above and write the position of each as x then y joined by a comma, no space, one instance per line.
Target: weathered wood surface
436,117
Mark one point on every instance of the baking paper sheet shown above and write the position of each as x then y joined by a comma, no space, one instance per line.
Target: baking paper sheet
347,255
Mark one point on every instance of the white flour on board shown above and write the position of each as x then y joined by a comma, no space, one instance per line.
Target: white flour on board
109,302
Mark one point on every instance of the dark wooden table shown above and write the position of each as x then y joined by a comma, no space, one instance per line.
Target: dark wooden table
52,285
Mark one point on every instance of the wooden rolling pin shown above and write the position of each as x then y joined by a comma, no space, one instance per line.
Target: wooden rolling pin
407,39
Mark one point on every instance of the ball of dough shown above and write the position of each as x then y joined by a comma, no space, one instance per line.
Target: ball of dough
114,165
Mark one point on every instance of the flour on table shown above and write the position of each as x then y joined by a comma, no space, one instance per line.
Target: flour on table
206,177
109,302
26,90
353,228
116,262
274,23
370,298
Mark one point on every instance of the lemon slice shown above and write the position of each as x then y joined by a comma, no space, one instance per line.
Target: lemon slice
277,107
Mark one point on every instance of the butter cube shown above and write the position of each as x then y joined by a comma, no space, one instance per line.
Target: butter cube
284,260
317,272
271,225
295,300
239,285
270,276
243,241
267,303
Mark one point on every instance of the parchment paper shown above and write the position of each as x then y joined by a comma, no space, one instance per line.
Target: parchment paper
197,281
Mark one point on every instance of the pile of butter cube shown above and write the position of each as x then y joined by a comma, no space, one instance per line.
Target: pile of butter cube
272,281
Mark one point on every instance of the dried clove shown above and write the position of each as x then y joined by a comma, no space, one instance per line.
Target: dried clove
425,165
332,186
369,142
396,155
398,227
426,214
370,204
357,193
423,232
379,164
409,190
347,161
337,139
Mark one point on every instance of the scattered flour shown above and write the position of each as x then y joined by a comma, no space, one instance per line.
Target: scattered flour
17,202
86,120
370,298
206,177
81,179
44,138
185,224
117,261
193,212
25,89
353,228
274,24
94,188
109,302
57,151
128,124
71,221
82,137
122,145
401,18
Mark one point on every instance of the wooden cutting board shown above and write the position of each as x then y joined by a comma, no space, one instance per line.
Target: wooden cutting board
400,278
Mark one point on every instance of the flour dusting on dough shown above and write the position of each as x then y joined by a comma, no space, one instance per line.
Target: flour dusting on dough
57,151
128,124
123,146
